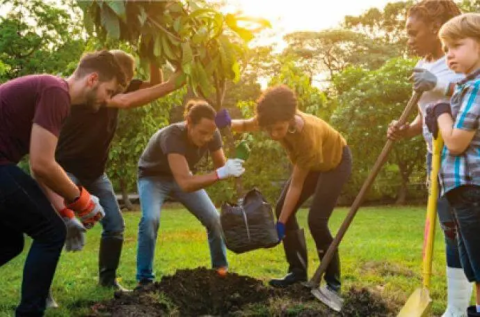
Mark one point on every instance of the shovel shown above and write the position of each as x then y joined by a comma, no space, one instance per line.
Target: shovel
330,298
419,303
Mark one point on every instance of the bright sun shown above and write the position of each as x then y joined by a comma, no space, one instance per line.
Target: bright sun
302,15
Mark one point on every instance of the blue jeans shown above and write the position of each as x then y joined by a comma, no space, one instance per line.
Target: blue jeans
153,191
447,223
465,201
113,223
24,209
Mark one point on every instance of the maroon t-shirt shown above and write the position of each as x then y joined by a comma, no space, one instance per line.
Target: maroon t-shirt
39,99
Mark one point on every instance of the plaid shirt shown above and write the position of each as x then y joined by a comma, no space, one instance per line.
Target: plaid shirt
464,169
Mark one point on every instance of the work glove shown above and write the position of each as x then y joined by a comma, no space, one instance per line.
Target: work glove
280,230
75,231
233,168
87,207
424,80
222,119
433,112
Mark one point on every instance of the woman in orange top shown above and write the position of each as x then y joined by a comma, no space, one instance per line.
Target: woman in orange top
321,166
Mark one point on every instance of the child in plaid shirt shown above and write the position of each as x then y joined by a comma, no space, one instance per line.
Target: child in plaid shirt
458,123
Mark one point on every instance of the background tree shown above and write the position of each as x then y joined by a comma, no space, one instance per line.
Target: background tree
367,104
39,37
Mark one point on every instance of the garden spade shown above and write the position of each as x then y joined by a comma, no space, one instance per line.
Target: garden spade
419,303
325,295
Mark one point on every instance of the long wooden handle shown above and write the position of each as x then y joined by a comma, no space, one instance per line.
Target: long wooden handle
315,281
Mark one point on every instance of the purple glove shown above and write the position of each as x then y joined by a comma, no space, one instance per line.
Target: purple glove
433,112
280,230
222,119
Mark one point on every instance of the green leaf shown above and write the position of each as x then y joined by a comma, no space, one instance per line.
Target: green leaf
118,7
84,4
142,17
187,55
110,22
227,57
177,24
200,36
157,48
88,22
167,49
263,22
244,34
175,7
203,80
200,12
236,71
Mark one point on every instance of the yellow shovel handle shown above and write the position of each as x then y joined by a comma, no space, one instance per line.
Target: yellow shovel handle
429,237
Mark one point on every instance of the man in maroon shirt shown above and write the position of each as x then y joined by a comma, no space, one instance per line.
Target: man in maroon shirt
83,149
32,110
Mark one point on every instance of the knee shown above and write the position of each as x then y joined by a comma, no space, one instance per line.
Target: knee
212,223
113,226
149,225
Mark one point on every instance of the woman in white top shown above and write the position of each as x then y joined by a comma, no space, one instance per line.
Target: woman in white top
435,79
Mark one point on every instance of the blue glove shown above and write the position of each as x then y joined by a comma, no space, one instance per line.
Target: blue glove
280,230
222,119
433,112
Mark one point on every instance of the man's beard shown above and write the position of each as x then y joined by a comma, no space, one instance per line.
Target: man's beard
91,99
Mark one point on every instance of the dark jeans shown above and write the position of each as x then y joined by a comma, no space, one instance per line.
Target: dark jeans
465,201
447,223
24,209
113,223
325,188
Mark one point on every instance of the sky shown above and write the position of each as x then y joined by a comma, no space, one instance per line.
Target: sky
303,15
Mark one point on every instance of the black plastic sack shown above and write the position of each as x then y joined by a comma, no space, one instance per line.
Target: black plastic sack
250,225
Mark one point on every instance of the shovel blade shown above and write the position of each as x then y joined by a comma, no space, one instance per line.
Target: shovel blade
329,298
417,305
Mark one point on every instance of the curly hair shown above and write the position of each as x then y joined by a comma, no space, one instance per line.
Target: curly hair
431,11
276,104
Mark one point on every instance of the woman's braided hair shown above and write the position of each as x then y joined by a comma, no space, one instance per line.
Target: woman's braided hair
431,11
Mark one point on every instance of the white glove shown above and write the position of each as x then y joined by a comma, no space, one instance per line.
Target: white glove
75,235
75,231
233,168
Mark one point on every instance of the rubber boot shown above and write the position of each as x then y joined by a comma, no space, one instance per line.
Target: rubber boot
109,259
50,302
296,254
332,274
459,293
472,311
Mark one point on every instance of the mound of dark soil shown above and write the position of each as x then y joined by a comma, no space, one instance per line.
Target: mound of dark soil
202,292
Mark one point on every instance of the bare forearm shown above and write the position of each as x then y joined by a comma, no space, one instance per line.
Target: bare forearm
244,125
197,182
415,127
290,202
141,97
54,177
56,200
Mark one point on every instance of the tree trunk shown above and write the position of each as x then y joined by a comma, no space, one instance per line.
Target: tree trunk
403,189
126,200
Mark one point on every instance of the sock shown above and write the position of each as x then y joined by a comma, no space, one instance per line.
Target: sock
478,308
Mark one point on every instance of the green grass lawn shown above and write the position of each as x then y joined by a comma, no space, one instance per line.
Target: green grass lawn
381,251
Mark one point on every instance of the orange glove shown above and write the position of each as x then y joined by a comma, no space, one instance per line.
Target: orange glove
87,208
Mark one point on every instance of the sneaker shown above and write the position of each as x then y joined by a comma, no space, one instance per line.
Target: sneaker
142,284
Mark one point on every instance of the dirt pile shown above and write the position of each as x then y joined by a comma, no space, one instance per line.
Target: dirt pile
202,292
